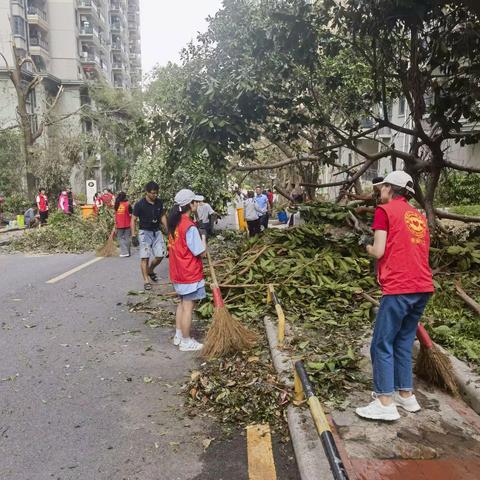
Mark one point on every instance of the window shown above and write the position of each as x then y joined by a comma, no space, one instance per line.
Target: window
18,26
401,106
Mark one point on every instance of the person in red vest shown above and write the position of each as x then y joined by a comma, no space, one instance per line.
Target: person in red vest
108,198
42,205
123,217
401,246
185,247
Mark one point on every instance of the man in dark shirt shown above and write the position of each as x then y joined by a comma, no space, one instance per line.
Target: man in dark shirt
150,214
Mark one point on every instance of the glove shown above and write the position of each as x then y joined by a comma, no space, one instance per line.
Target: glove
365,239
135,241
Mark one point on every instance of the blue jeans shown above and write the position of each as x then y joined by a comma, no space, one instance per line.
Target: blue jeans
392,341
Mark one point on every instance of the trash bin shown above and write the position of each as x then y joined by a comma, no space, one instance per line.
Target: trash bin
87,211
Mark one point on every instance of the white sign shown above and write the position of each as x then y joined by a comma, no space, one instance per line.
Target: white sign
91,191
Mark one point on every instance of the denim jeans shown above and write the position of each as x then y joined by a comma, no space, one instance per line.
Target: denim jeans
392,341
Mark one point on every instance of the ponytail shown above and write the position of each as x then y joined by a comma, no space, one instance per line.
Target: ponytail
174,217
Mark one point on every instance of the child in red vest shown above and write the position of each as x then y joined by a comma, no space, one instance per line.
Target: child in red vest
123,217
185,247
401,245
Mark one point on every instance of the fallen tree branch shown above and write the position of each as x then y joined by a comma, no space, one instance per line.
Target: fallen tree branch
475,306
455,216
283,193
462,168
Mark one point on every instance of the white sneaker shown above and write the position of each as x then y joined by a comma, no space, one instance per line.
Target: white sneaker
409,404
124,255
176,340
190,345
377,411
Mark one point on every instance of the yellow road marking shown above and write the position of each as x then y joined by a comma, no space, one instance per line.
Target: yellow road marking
261,465
74,270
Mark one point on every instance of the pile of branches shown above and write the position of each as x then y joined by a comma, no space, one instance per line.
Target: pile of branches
67,234
319,272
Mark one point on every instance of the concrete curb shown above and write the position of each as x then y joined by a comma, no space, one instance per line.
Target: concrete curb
311,459
468,382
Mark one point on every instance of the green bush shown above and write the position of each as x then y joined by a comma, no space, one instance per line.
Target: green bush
16,204
470,210
457,188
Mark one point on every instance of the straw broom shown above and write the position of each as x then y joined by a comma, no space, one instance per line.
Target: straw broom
432,365
109,249
226,334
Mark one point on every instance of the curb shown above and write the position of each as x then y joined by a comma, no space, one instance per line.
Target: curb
311,459
468,382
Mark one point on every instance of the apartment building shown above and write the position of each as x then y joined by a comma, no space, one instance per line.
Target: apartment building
468,155
71,42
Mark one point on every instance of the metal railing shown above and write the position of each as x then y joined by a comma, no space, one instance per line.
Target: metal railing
32,10
38,42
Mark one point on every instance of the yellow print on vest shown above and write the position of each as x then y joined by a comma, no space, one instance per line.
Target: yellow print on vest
416,225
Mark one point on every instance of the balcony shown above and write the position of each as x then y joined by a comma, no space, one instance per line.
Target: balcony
37,16
116,27
90,58
39,43
88,32
117,66
89,5
116,7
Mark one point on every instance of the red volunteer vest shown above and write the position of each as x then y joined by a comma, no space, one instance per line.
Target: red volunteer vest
42,202
184,266
122,216
404,267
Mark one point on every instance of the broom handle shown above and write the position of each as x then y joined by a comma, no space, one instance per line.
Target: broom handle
212,271
424,337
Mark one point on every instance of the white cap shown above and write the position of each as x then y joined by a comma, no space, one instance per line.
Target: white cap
185,196
399,178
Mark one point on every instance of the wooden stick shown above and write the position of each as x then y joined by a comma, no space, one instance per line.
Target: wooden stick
475,306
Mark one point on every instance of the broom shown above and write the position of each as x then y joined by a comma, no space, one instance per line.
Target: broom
432,364
226,334
109,249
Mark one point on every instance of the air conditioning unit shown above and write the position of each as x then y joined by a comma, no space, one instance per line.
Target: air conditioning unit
84,54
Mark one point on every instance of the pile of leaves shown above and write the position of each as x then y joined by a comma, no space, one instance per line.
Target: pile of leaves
319,272
67,234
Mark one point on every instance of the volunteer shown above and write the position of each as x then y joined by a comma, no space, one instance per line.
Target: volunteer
401,245
123,218
186,247
150,214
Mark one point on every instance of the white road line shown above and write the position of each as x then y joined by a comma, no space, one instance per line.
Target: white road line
74,270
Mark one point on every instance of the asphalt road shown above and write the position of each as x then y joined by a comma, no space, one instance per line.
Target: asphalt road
88,392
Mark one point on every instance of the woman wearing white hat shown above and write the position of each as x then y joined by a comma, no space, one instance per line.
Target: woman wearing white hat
401,245
186,248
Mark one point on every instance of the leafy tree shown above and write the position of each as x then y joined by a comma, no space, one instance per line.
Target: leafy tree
10,171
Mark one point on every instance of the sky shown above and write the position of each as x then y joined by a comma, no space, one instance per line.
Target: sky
168,25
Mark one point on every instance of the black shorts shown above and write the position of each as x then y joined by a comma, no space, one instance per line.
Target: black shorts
43,217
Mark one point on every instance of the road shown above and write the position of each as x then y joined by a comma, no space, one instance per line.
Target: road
88,392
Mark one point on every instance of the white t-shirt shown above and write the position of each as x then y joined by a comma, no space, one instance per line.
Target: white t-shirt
203,212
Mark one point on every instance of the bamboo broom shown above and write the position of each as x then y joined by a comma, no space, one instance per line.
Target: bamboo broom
226,334
432,364
109,249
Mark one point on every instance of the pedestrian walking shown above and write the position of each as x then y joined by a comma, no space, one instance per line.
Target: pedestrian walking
42,205
186,248
262,202
401,245
205,212
150,215
252,214
123,220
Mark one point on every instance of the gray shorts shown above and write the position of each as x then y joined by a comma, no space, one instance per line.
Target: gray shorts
151,244
199,294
